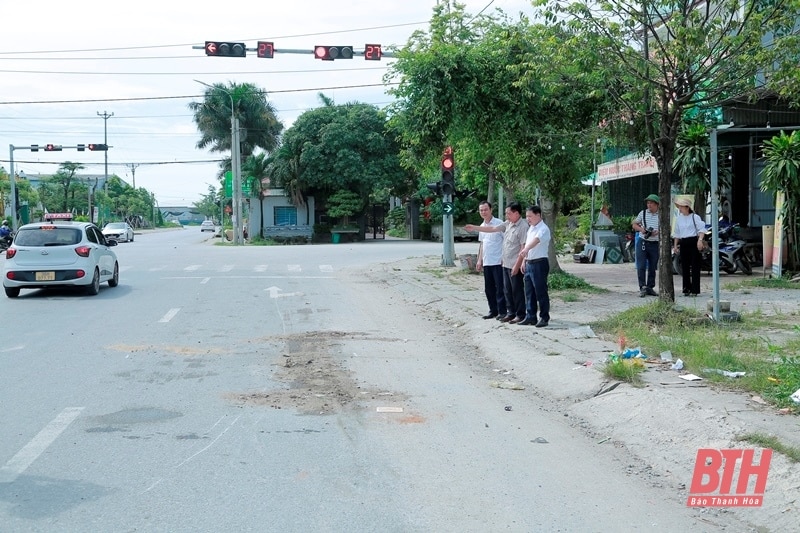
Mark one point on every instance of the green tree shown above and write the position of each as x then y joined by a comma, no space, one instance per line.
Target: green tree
685,55
64,191
338,147
258,122
693,163
209,204
510,98
782,174
343,205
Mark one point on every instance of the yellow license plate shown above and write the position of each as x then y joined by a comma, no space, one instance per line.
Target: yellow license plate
45,276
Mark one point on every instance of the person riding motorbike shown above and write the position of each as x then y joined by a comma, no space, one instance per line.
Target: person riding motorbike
5,234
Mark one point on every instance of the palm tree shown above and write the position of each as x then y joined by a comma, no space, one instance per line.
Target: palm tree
258,122
693,163
782,174
256,168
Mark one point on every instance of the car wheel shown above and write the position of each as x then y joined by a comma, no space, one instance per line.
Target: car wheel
12,292
131,237
94,288
114,281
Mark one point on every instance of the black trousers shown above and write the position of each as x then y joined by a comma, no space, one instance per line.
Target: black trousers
690,265
514,289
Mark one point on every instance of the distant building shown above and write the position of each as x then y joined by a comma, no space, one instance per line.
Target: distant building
184,215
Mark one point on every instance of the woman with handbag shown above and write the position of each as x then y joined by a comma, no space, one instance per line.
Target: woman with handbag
690,232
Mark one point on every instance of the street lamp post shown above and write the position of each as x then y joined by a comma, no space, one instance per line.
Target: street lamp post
235,168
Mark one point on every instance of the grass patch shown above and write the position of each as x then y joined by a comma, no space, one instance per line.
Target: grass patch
772,442
624,370
561,281
772,368
763,283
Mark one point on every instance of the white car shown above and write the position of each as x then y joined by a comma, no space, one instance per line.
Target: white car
60,254
119,231
207,225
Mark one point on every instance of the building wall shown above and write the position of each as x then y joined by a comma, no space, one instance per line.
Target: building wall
278,198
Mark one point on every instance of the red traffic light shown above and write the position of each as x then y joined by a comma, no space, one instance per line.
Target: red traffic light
265,49
225,49
329,53
448,161
372,52
98,147
52,147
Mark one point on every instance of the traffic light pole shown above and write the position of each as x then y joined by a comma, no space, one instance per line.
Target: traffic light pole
12,181
448,248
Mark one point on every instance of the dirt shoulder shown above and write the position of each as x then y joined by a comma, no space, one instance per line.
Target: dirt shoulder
661,425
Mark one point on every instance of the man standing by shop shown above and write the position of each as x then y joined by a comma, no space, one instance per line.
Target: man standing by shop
490,255
536,269
515,229
646,224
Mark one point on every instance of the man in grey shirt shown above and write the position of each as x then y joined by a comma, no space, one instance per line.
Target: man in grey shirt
515,228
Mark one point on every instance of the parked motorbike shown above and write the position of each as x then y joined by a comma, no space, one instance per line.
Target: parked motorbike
6,241
731,253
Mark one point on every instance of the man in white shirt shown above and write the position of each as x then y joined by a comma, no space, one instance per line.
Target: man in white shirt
514,229
490,257
536,268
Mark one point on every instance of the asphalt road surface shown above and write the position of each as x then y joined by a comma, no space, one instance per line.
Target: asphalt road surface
276,389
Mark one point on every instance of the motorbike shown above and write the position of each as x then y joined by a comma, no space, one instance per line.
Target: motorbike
6,241
731,253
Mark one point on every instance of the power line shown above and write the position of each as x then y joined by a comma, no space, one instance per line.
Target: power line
147,98
234,73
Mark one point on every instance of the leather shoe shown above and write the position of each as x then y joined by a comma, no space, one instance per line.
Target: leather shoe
542,323
650,292
526,322
516,320
487,317
508,318
499,317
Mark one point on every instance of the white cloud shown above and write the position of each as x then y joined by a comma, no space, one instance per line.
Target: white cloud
144,50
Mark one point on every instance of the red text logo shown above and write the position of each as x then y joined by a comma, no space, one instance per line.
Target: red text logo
713,483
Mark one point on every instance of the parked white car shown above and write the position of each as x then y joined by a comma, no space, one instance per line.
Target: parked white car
207,225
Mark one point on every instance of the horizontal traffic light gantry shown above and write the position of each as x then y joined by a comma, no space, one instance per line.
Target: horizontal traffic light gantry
50,147
225,49
329,53
266,49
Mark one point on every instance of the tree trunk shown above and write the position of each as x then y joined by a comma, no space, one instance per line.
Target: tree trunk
549,210
490,195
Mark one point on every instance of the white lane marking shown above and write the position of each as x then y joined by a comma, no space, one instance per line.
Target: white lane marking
226,268
192,268
205,280
260,268
250,277
325,268
170,314
294,268
156,269
13,348
36,447
275,292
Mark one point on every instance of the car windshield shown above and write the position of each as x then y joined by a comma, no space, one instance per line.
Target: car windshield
115,225
48,236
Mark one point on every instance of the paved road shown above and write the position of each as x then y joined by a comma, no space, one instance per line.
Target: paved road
277,389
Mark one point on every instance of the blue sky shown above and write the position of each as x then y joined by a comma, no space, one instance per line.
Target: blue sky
62,63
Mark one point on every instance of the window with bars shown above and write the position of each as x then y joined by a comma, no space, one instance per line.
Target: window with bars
285,215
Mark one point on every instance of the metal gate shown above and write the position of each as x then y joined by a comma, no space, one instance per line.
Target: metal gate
376,228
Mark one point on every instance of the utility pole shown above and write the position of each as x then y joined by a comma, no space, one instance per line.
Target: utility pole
133,167
106,116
